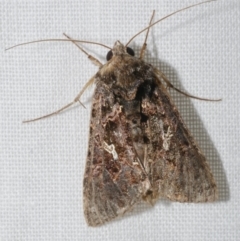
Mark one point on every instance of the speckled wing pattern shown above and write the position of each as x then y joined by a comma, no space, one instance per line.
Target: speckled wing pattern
139,147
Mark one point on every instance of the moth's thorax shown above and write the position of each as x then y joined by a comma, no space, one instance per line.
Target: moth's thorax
124,71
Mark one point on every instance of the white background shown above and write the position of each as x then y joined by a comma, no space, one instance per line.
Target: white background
42,163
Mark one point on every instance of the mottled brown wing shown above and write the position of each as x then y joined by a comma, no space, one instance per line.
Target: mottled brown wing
179,170
139,147
112,182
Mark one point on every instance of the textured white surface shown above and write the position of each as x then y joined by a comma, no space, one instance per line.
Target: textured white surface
42,163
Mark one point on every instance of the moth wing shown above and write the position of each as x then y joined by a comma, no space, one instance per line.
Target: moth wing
180,171
112,181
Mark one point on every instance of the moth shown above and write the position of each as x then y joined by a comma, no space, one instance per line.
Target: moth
139,147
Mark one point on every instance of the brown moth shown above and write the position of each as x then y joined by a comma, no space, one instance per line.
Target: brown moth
139,147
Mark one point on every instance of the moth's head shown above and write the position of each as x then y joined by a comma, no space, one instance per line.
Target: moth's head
119,49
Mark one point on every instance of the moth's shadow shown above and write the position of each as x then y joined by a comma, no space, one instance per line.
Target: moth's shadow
194,123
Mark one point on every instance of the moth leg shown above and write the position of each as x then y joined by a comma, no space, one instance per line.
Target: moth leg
143,49
91,58
170,85
76,99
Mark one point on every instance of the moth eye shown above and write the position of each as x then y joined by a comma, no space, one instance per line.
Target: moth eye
130,51
109,55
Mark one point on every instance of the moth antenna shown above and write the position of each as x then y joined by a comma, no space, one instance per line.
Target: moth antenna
146,37
91,58
170,85
76,99
59,40
53,113
192,96
169,15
